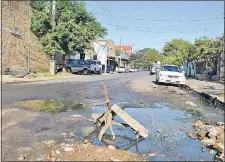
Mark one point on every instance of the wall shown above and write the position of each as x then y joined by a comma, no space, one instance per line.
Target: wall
111,48
101,51
18,43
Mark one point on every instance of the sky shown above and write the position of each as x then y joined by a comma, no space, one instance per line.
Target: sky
138,26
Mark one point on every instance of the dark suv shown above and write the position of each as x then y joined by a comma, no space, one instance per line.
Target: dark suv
78,66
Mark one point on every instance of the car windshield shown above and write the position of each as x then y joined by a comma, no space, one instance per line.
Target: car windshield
156,66
69,61
171,68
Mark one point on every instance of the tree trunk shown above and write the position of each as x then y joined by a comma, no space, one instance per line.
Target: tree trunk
52,66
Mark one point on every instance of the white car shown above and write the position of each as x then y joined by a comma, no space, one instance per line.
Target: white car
96,66
170,74
133,70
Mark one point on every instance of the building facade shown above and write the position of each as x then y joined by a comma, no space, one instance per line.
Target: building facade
20,47
127,49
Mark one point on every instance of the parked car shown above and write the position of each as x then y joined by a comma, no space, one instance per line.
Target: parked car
170,74
96,66
153,68
78,66
109,69
133,70
121,69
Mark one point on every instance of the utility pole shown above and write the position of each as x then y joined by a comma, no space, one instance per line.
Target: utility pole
52,59
120,29
29,15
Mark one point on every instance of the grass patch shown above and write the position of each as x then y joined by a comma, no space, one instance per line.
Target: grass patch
53,106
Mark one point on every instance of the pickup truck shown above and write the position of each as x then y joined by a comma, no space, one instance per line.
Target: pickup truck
78,66
96,66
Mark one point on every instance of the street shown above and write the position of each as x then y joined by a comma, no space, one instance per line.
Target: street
155,106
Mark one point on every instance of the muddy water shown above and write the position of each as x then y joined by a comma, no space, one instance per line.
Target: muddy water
168,139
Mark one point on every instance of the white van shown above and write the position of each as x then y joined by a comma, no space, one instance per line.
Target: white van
153,68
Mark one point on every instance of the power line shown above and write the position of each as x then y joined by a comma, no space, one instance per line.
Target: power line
150,29
160,20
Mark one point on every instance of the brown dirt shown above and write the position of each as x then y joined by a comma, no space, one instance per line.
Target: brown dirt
89,152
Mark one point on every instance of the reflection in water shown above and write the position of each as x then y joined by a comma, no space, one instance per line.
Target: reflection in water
168,137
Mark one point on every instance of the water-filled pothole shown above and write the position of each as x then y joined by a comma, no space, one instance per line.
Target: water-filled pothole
167,141
53,106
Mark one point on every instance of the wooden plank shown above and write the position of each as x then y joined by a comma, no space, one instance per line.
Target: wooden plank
130,121
96,116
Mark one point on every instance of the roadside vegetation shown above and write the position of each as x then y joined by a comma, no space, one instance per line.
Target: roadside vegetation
74,30
178,51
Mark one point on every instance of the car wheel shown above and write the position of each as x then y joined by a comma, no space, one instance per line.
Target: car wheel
100,72
85,71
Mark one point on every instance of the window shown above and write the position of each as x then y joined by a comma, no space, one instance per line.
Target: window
171,68
98,62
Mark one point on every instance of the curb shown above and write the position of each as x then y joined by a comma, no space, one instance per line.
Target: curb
210,99
32,81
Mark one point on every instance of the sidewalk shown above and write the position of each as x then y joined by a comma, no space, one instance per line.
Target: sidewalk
10,80
213,89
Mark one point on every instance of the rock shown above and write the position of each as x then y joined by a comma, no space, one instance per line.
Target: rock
114,159
68,149
220,123
51,142
72,134
201,134
57,152
219,147
111,147
198,123
53,158
152,154
208,142
212,152
214,131
86,141
190,103
76,116
191,135
21,158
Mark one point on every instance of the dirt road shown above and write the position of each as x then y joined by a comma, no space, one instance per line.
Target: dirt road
24,131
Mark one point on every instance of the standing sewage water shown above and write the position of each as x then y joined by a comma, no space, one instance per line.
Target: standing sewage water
167,140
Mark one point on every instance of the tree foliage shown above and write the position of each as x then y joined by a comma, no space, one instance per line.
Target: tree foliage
145,58
75,26
178,51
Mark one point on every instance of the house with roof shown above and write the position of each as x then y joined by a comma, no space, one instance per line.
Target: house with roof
127,49
105,52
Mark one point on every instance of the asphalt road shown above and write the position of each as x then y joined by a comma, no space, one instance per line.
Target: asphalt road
21,128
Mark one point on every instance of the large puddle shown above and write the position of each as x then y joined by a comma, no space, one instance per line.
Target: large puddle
168,126
168,139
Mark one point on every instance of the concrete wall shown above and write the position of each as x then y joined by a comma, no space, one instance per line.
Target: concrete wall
18,43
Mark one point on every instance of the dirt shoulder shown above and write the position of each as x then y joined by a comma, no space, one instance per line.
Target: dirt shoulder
10,80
